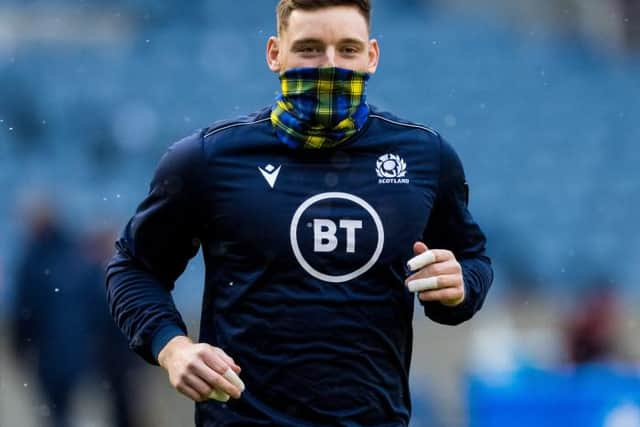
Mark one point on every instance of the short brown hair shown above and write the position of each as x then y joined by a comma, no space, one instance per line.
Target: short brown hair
285,7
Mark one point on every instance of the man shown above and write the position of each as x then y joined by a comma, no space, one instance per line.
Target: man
307,213
48,338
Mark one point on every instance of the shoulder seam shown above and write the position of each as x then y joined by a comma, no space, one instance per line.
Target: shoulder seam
232,125
409,125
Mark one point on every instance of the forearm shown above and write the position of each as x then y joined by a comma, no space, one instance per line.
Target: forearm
142,307
478,276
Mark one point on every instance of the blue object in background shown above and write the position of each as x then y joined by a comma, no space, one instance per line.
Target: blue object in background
589,396
547,124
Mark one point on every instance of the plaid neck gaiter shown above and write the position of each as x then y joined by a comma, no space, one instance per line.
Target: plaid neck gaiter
320,107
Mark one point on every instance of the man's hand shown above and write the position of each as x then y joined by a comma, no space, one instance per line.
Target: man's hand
198,370
437,275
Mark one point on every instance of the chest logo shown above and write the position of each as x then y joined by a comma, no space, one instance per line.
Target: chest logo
270,174
391,169
336,237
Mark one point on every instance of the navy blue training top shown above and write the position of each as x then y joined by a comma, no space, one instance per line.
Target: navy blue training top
305,254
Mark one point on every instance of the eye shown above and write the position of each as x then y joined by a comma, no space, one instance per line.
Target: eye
308,50
350,50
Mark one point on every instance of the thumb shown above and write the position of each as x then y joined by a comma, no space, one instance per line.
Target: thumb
419,247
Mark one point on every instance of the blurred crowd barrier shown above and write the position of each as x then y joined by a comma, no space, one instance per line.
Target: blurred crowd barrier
539,98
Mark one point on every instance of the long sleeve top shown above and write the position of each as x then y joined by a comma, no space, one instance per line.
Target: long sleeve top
305,254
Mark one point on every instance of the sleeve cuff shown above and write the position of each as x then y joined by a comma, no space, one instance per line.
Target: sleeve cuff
450,315
162,337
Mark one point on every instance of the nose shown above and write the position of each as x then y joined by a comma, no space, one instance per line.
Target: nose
330,60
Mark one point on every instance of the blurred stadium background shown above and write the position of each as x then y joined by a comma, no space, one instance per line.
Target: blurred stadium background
540,97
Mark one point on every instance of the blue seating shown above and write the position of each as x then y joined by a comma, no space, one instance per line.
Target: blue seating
546,126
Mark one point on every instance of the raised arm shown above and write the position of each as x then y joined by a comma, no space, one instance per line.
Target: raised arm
461,269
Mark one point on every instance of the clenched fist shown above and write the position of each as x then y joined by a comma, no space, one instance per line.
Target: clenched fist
200,371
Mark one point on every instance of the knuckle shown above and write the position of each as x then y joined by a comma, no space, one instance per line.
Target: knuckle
211,378
182,378
215,363
224,355
221,354
202,351
219,381
438,269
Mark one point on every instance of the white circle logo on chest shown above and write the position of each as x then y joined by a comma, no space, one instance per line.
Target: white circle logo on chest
329,235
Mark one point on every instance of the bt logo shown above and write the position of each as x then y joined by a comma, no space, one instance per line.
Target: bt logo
336,237
324,232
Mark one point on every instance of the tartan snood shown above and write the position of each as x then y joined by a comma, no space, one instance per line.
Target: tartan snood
320,107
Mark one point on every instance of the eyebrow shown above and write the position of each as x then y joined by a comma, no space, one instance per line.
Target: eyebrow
307,40
353,41
311,40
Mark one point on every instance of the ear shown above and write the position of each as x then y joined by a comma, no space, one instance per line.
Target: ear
273,54
374,56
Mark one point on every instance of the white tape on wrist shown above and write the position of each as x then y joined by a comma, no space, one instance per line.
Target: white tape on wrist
420,285
422,260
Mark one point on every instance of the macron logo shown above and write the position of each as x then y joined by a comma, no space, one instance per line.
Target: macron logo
270,173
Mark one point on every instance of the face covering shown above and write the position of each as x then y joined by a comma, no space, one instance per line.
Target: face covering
320,107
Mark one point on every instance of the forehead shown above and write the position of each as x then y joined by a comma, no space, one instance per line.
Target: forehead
336,22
